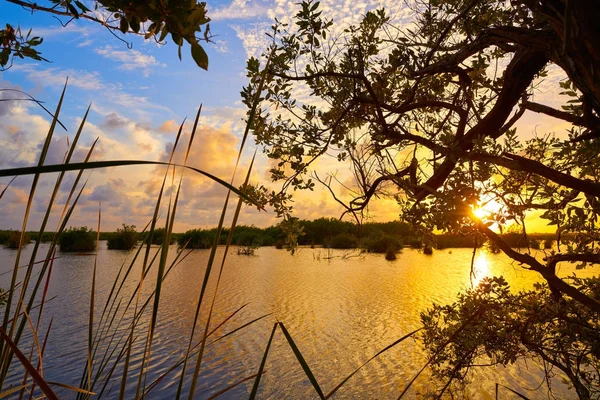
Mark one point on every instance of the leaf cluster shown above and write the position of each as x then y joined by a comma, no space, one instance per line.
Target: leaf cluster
14,44
184,20
510,326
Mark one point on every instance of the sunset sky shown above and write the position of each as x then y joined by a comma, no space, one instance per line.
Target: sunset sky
139,97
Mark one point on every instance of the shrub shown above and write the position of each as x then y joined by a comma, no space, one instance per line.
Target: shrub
78,239
158,236
415,243
514,240
197,239
383,244
455,241
390,255
344,241
279,244
124,238
11,239
548,244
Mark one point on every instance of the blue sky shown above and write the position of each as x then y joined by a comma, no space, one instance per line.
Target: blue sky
139,97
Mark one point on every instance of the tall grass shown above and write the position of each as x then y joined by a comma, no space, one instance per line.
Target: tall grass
127,317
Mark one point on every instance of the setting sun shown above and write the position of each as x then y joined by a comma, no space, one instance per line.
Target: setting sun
480,212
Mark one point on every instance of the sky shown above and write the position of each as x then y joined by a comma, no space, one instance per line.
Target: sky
138,98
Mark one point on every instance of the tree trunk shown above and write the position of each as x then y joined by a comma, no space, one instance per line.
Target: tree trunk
576,24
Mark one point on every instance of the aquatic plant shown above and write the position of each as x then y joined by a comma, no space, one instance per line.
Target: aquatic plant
12,239
79,239
124,238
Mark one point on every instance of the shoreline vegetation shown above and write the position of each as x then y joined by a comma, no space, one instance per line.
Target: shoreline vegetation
374,237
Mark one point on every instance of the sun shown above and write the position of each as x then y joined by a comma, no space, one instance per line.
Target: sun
480,212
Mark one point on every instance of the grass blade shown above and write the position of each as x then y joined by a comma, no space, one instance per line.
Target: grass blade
72,388
238,328
371,359
7,186
47,169
39,364
514,391
232,386
12,390
32,371
302,361
262,364
450,340
5,355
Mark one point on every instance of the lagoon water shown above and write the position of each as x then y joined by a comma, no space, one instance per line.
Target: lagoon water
340,307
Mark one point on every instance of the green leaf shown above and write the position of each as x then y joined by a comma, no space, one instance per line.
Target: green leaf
135,24
124,25
199,56
4,55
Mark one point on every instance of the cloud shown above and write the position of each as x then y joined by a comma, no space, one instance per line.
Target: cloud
130,60
20,134
253,37
240,9
169,126
53,76
343,12
7,91
113,121
85,43
112,93
221,46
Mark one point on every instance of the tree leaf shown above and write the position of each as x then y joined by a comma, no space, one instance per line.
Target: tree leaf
199,56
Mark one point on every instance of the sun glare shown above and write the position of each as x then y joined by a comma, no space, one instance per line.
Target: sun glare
480,212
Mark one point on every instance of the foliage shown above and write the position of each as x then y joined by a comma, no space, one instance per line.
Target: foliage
390,255
457,241
158,236
182,19
489,325
196,239
382,244
242,236
77,240
343,241
11,239
3,296
428,116
124,238
14,44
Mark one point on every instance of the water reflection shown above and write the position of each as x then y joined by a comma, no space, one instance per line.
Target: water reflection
481,267
340,312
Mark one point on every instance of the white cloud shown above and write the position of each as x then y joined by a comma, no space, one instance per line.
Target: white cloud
130,60
53,76
90,81
240,9
85,43
343,13
253,37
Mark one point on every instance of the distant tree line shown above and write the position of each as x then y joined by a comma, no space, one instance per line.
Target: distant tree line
376,237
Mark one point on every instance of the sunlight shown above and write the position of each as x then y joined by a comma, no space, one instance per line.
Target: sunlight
480,268
480,212
486,208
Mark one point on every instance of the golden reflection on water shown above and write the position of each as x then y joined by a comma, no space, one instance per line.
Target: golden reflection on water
481,267
340,312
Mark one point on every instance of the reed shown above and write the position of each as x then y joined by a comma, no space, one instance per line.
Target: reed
131,312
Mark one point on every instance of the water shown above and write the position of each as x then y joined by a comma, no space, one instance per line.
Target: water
340,308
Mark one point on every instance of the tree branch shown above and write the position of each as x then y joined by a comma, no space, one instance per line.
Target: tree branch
518,163
35,7
535,265
594,123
